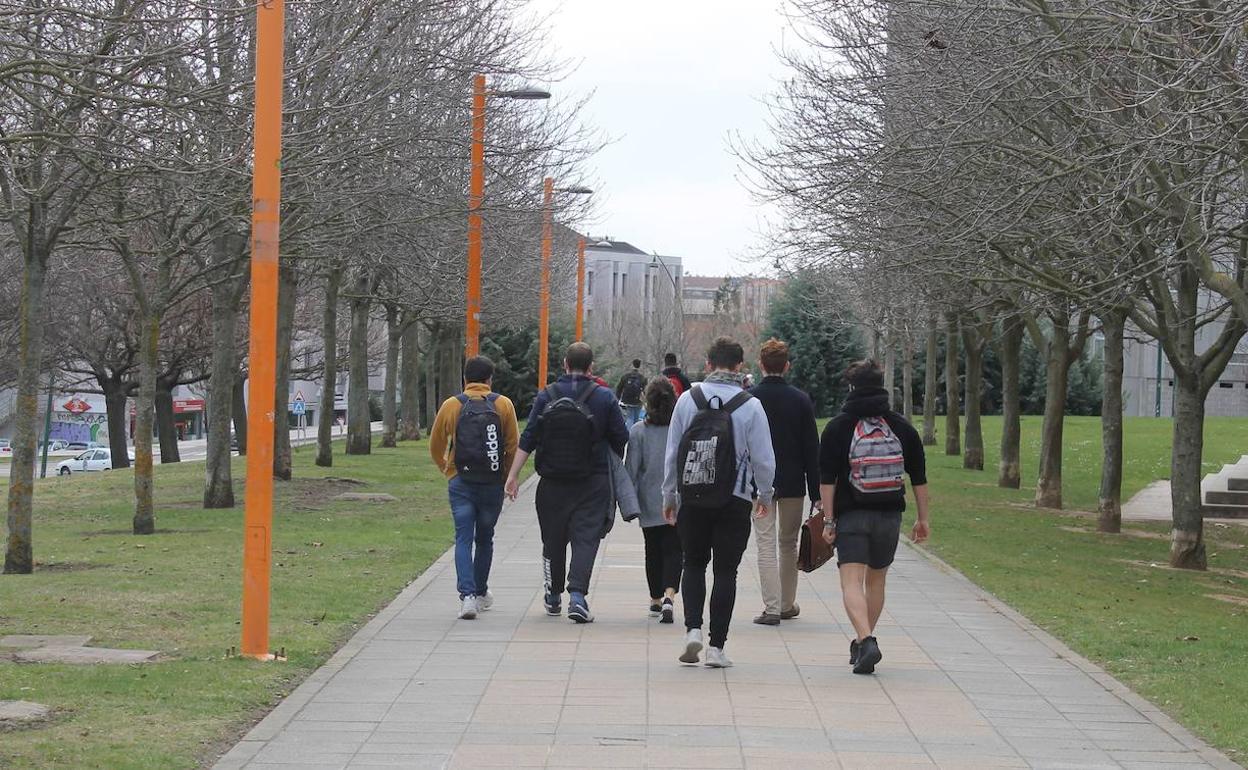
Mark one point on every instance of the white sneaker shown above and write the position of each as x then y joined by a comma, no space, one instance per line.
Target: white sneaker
468,610
715,658
485,601
693,645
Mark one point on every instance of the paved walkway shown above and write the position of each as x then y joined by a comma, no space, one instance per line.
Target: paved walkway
965,683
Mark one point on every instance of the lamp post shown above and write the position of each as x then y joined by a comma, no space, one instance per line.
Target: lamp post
476,196
543,334
677,305
580,290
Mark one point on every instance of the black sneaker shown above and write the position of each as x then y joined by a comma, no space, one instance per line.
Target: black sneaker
868,655
655,609
667,614
853,651
554,607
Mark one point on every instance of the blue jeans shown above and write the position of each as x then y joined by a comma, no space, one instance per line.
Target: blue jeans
475,509
632,414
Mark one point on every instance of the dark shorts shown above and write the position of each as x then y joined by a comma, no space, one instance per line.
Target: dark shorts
867,537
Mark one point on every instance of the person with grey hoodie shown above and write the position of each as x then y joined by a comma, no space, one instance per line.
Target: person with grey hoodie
647,448
710,487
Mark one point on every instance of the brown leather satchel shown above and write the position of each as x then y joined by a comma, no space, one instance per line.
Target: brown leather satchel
813,551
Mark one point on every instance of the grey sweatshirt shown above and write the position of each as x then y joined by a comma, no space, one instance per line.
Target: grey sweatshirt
647,448
750,433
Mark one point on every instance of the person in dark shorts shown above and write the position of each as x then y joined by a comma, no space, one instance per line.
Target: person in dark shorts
864,452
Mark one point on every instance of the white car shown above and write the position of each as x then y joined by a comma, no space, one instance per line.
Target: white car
90,460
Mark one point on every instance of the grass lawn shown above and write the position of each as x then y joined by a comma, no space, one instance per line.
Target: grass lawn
178,591
1111,597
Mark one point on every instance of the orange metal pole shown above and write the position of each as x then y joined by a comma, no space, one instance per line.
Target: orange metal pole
580,290
543,340
262,363
476,196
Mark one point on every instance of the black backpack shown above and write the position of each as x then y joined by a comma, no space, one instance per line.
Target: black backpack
630,392
479,440
708,454
567,438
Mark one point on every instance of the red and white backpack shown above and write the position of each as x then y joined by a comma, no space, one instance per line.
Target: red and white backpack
876,462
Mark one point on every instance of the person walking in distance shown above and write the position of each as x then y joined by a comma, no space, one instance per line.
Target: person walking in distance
647,448
574,423
674,374
473,441
629,392
795,439
718,458
863,455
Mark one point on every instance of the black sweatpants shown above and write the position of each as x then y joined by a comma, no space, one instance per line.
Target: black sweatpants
571,512
715,536
662,558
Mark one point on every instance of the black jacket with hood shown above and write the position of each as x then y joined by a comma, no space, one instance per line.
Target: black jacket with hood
834,448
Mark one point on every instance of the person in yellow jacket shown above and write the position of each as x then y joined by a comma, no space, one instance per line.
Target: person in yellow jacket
473,442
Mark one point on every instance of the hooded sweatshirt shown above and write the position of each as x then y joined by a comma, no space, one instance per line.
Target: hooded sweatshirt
834,448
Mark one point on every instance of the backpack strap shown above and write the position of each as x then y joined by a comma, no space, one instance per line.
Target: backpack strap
699,398
491,397
552,393
587,390
736,402
462,398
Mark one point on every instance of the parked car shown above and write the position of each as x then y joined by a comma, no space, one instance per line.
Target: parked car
55,445
6,446
90,460
80,446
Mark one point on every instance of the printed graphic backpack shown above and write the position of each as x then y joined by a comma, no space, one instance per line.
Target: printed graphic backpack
876,463
633,384
479,440
707,452
567,434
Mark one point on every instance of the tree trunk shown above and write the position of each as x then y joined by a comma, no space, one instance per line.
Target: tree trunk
907,377
953,428
1057,372
973,451
218,478
929,385
145,411
1187,544
452,367
1109,508
115,397
359,429
890,370
431,382
287,291
239,412
329,376
166,424
1009,472
390,393
19,550
409,377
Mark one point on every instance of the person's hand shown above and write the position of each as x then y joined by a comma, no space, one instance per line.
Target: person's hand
761,509
512,487
669,514
921,532
829,535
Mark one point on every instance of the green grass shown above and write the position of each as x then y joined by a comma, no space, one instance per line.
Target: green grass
1111,597
178,592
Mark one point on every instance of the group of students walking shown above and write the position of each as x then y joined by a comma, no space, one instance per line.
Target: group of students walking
699,466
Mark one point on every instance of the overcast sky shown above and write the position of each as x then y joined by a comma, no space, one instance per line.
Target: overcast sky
671,81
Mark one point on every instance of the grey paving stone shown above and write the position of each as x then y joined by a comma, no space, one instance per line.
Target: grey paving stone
84,656
43,640
18,711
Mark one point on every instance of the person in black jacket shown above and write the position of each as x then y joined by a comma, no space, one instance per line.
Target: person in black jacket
674,374
866,523
795,439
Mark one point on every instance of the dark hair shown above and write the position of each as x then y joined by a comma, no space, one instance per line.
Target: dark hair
636,363
865,374
725,353
774,356
660,401
579,357
478,369
669,359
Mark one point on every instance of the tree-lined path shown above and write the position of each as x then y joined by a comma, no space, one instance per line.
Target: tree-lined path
965,683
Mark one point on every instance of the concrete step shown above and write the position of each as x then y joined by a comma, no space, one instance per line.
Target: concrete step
1226,511
1230,497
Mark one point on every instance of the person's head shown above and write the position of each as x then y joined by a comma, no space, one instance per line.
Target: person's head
774,357
669,359
579,359
636,363
864,374
478,369
725,354
660,401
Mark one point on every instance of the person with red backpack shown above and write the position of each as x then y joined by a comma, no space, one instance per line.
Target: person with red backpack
864,455
472,441
674,375
575,422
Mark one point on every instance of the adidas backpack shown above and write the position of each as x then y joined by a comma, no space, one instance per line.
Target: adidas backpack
876,463
707,453
567,434
479,440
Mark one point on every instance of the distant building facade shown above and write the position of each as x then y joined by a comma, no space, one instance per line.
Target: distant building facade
736,306
631,310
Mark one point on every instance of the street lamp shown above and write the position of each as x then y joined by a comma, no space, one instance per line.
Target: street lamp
476,196
543,337
678,306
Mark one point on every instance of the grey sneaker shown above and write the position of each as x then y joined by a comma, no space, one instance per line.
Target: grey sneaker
468,610
768,619
485,601
791,613
693,646
715,658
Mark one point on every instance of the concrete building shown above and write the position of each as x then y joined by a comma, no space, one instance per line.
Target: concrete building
630,301
736,306
1145,394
